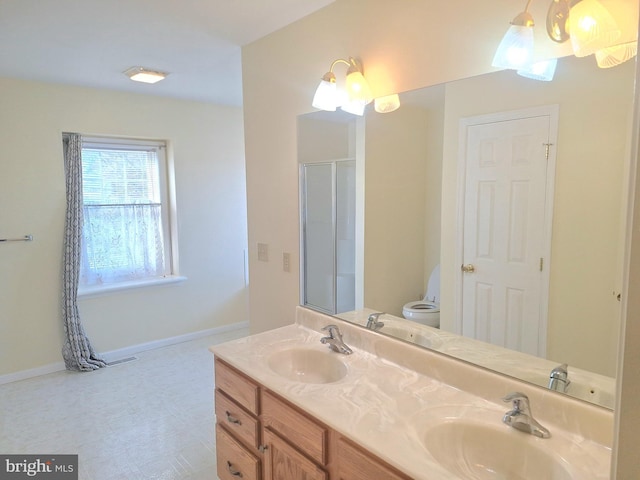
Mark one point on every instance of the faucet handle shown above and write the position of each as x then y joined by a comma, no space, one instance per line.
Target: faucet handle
520,401
560,371
521,418
373,323
334,331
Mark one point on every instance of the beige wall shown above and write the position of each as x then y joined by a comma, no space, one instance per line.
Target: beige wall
322,140
404,45
207,149
280,74
396,153
586,245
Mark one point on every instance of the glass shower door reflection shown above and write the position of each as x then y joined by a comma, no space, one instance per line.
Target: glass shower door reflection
328,216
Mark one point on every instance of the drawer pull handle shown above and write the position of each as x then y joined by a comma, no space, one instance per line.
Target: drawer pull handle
232,419
233,471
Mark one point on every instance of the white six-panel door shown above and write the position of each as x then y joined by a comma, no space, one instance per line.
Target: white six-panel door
507,205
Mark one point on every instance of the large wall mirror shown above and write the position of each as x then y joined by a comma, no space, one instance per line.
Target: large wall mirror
400,214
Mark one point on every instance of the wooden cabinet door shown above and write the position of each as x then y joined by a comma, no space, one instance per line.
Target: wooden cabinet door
357,464
284,462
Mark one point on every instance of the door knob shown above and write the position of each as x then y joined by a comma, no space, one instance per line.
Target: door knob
468,268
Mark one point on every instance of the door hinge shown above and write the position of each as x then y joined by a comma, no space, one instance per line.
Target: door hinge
547,146
541,263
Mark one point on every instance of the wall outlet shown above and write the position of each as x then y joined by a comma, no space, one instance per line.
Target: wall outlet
286,262
263,252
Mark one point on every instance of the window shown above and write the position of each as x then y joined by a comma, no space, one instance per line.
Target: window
126,231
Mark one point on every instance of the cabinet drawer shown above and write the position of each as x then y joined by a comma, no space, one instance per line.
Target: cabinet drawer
237,386
234,460
298,429
242,424
356,464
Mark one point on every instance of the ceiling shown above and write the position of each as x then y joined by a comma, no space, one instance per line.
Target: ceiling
91,42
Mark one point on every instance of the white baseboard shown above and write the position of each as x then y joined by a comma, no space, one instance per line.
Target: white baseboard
32,372
165,342
124,352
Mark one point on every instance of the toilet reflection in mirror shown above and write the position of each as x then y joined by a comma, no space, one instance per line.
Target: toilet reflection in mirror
427,310
405,206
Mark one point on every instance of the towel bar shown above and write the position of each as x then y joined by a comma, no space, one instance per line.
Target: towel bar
26,238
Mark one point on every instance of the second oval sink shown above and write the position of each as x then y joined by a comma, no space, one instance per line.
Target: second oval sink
307,365
483,452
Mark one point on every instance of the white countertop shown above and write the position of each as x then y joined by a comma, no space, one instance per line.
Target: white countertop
588,386
387,407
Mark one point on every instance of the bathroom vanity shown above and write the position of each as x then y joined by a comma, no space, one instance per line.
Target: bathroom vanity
262,435
287,407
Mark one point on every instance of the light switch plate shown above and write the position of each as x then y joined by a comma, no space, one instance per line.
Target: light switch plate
263,252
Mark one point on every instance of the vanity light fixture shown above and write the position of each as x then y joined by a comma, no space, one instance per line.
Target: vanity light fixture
587,23
387,104
357,92
140,74
516,48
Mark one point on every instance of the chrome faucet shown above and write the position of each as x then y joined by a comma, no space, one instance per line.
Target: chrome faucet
334,340
520,416
559,378
373,323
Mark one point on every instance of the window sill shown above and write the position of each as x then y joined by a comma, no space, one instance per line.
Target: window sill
89,292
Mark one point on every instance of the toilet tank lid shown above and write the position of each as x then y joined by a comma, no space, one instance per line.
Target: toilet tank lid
433,286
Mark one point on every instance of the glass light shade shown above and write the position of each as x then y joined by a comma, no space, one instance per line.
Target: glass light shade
357,88
515,49
543,70
591,27
139,74
387,104
326,96
613,56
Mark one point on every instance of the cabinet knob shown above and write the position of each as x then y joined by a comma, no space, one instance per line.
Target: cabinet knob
263,448
233,471
232,419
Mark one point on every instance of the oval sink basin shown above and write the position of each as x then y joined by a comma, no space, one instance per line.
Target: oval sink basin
483,452
307,365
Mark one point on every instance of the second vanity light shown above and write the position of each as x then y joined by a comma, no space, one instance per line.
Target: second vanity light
587,23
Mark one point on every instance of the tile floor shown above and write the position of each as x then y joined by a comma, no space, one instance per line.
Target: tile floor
148,419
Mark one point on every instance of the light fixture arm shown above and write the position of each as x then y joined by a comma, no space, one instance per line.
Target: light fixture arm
340,60
353,65
524,19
